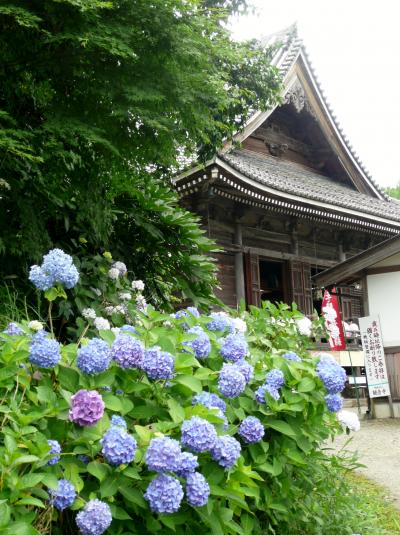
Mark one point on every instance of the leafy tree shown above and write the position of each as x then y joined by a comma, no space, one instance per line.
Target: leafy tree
394,192
99,102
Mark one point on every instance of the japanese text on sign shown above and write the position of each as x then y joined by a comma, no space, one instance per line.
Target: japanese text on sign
375,365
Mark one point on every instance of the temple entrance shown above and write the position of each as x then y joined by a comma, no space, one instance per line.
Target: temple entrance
273,283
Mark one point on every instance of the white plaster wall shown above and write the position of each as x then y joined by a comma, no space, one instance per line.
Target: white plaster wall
384,300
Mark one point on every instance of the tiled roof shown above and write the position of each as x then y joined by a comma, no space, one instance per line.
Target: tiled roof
296,179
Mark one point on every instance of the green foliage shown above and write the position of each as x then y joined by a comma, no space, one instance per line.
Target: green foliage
393,192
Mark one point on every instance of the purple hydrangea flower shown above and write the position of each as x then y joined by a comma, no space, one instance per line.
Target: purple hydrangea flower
44,352
231,381
260,393
95,518
13,329
198,434
55,449
118,421
118,446
164,494
87,407
209,400
331,374
187,464
275,379
197,489
64,496
220,322
234,347
94,357
201,345
251,430
334,402
245,369
292,356
158,364
127,351
163,455
226,451
57,267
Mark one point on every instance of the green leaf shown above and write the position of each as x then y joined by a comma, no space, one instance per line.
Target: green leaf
281,426
29,480
133,495
31,501
176,411
98,470
109,486
190,382
4,515
306,385
112,402
118,513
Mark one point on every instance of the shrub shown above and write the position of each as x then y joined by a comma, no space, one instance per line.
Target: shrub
147,435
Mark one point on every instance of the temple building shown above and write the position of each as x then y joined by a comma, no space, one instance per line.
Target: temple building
288,197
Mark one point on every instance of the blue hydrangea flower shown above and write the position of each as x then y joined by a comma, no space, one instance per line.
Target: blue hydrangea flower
226,451
251,430
84,458
187,464
260,393
57,267
185,313
118,446
245,369
334,402
209,400
163,455
331,374
94,357
220,322
234,347
95,518
55,449
158,364
64,496
13,329
128,328
164,494
272,391
198,434
44,352
197,489
118,421
290,355
127,351
231,382
275,379
201,345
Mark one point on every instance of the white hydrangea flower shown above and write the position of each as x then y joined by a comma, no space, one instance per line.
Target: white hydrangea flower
113,273
349,419
239,324
35,325
102,324
125,296
120,309
304,326
121,268
89,313
115,330
138,285
109,310
141,303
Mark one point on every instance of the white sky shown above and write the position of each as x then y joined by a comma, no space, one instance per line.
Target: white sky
354,46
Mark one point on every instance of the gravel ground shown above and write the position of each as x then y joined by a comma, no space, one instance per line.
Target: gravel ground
378,446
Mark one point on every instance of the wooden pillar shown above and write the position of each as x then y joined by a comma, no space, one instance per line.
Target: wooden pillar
239,271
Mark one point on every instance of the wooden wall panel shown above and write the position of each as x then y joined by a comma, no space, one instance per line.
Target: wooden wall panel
226,277
393,369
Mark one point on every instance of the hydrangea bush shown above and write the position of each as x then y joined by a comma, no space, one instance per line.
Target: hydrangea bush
165,423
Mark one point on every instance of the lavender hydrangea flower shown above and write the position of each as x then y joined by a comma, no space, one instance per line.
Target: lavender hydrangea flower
275,379
231,382
158,364
121,268
187,464
201,345
118,421
272,391
63,496
55,449
44,352
234,347
290,355
95,518
13,329
94,357
245,369
118,446
260,393
251,430
87,408
220,322
198,434
334,402
209,400
57,267
197,489
163,455
226,451
331,374
127,351
164,494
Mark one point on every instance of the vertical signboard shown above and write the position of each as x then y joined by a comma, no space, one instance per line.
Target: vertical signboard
333,321
375,365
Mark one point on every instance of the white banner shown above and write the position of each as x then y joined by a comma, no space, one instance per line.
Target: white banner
375,364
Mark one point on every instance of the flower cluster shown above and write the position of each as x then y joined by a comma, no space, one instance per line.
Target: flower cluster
164,494
334,402
226,451
118,421
245,369
57,267
251,430
118,446
349,419
13,329
89,313
231,381
234,347
201,345
87,408
220,322
304,326
274,380
198,434
127,351
35,325
187,464
94,357
163,455
158,364
138,285
55,449
331,374
63,496
197,489
209,400
43,351
239,325
102,324
95,518
292,356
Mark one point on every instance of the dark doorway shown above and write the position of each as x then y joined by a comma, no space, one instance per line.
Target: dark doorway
272,281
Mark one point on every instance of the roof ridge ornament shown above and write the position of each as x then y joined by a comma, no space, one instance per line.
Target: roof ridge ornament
296,96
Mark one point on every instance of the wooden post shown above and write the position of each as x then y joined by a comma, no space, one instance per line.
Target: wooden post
239,271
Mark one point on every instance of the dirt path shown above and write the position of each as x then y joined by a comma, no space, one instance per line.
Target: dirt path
378,446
